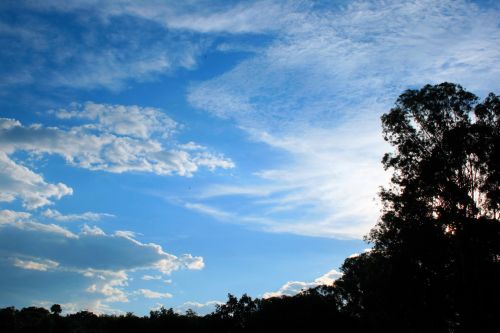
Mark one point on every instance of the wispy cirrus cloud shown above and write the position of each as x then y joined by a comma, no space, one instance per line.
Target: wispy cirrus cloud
79,55
151,277
37,264
209,17
147,293
87,216
316,93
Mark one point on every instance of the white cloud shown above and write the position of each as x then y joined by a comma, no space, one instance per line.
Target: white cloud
98,261
117,139
209,17
96,52
151,277
294,287
11,216
316,93
133,121
254,17
207,210
67,308
191,146
281,216
36,264
87,216
22,221
153,294
231,216
109,284
92,231
212,161
167,266
109,70
328,40
328,278
91,248
35,227
17,181
190,262
199,308
126,234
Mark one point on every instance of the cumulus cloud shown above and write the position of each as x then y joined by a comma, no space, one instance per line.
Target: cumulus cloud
115,138
90,248
190,262
94,53
92,231
316,93
17,181
99,262
109,284
133,121
294,287
11,216
167,266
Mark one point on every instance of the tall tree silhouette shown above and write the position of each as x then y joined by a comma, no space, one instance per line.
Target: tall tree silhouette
435,262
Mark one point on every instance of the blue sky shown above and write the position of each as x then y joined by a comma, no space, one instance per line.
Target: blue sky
168,153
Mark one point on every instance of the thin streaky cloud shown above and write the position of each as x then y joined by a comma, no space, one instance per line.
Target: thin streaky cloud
317,92
87,216
147,293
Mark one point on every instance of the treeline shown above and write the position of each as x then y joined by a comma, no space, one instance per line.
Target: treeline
309,311
435,259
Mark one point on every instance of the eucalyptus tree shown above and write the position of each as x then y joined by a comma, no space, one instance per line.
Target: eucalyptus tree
435,262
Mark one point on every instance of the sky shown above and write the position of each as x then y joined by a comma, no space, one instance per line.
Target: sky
167,153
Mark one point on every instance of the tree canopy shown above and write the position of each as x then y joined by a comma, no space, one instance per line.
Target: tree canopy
436,248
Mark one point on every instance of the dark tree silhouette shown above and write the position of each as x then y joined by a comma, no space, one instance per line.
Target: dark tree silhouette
435,261
56,309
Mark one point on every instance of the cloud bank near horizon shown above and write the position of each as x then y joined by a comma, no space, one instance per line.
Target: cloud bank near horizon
97,265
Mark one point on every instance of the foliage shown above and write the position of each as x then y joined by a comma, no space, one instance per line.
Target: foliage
436,249
309,311
56,309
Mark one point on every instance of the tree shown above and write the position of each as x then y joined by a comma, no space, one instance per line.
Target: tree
190,313
436,253
56,309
